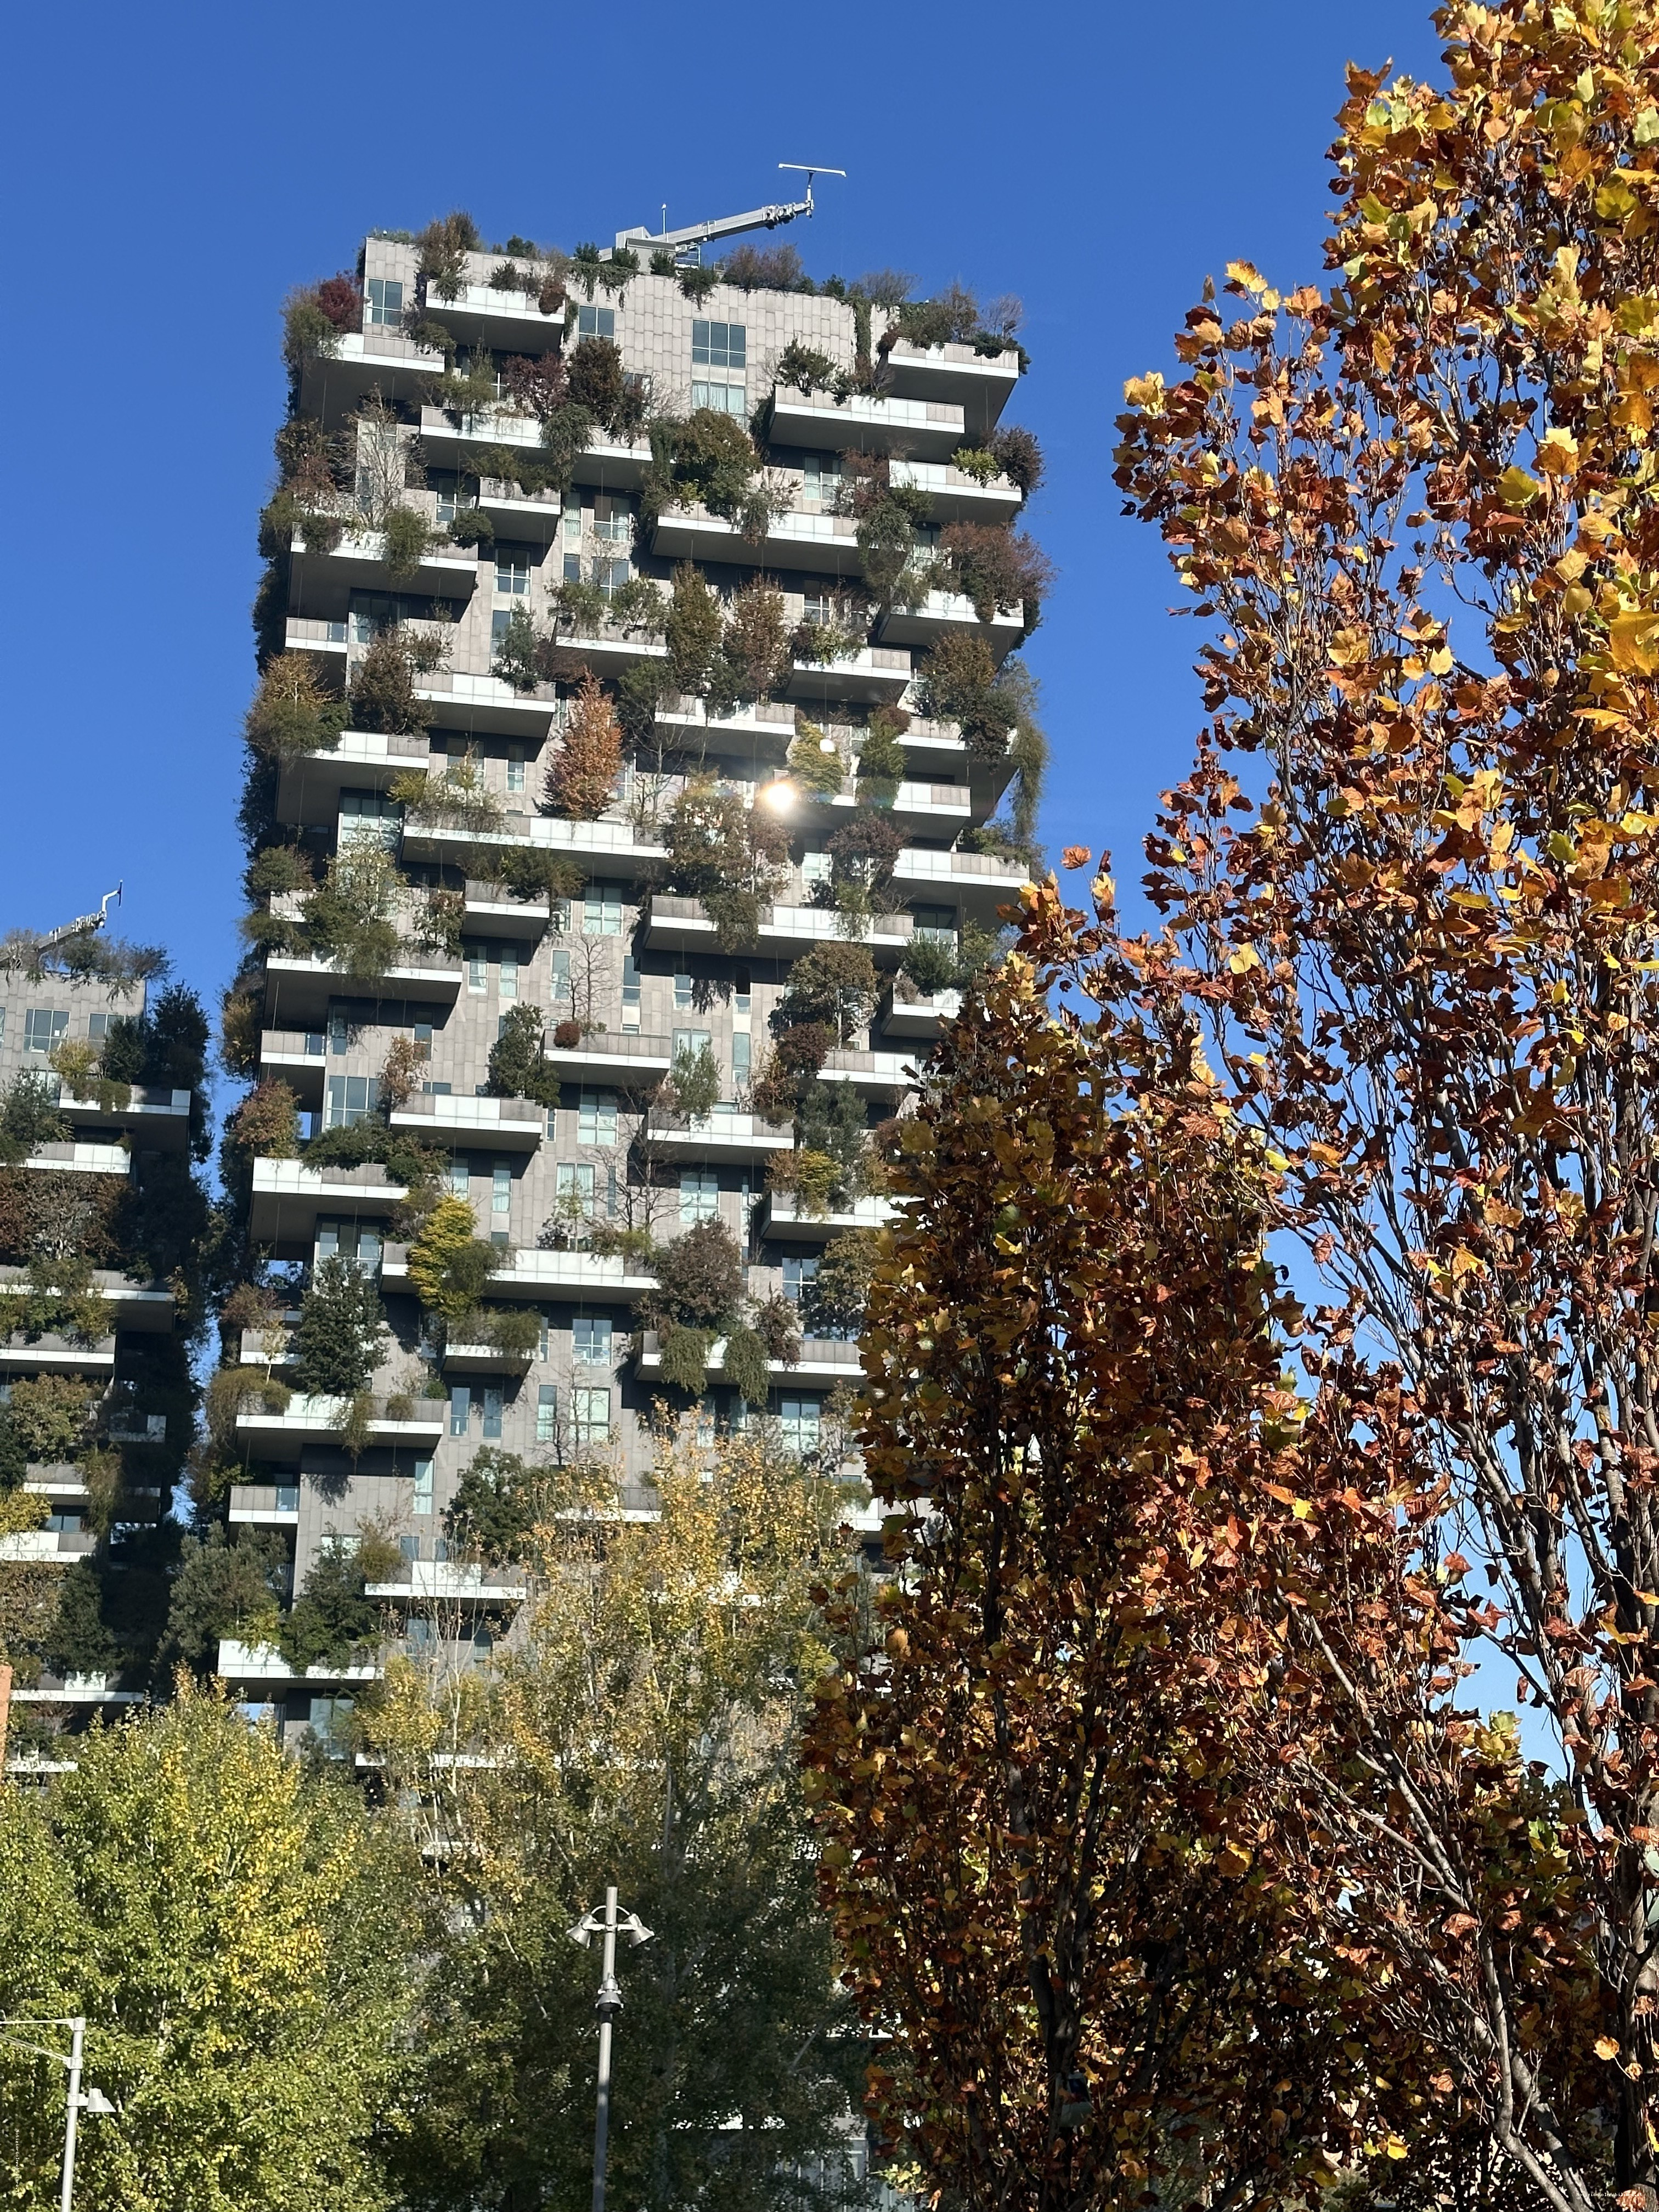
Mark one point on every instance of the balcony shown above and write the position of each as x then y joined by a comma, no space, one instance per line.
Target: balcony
148,1308
926,808
265,1504
981,883
450,1581
47,1547
78,1689
363,362
485,1359
958,497
824,1359
725,1134
155,1121
491,910
680,925
287,1197
613,464
766,729
951,614
623,1060
358,563
537,1274
521,518
324,641
487,705
298,988
921,429
512,321
507,1125
263,1665
609,848
878,1074
920,1017
72,1158
782,1217
319,1421
824,544
978,384
298,1057
880,674
308,789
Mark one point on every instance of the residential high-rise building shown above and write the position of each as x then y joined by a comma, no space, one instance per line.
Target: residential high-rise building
101,1218
634,709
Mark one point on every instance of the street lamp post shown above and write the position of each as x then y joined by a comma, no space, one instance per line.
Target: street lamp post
609,2005
80,2101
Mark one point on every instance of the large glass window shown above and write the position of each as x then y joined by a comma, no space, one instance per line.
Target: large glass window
797,1272
351,1099
558,988
596,1118
576,1185
821,480
422,1498
43,1027
492,1410
460,1409
385,302
602,910
719,345
591,1340
590,1415
359,1240
798,1418
613,519
700,1191
512,572
630,992
501,1187
547,1413
935,924
596,322
369,818
724,399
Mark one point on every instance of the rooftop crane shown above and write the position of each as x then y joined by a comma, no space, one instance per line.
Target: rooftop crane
696,236
82,925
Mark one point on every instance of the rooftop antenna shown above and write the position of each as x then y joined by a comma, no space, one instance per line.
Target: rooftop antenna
696,235
83,924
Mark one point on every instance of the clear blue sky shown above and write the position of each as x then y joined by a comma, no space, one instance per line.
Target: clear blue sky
171,170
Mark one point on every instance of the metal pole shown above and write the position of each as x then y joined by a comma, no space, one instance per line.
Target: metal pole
608,2006
78,2036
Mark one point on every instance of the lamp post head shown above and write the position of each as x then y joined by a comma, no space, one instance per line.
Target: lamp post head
95,2102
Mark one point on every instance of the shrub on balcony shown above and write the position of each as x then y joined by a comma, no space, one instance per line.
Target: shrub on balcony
762,268
597,381
693,629
930,964
772,1091
565,436
638,606
48,1419
517,1069
757,647
288,514
778,1327
527,873
266,1125
580,607
409,539
332,1622
723,852
832,1119
454,799
450,1265
709,458
958,683
264,933
834,985
514,1331
515,660
977,461
692,1086
28,1118
803,1048
471,525
700,1281
815,760
805,367
308,331
1000,570
697,284
382,693
684,1353
226,1586
439,921
351,918
443,246
292,715
864,850
1019,456
498,1503
881,757
340,1333
746,1366
833,1303
370,1143
276,868
640,690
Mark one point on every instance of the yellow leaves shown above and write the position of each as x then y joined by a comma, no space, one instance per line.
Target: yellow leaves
1248,278
1633,641
1348,647
1146,392
1395,2148
1606,2046
1558,455
1241,961
1517,489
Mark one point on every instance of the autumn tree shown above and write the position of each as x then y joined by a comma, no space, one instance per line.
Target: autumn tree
1410,891
581,776
232,1929
639,1729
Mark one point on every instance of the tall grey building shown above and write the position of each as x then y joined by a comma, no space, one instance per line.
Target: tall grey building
634,706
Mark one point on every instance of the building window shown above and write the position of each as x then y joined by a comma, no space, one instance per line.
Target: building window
699,1194
575,1184
796,1272
423,1501
596,322
511,573
821,482
741,991
590,1415
799,1417
460,1409
547,1413
508,981
724,399
573,568
682,993
385,302
369,818
690,1042
447,485
558,988
477,969
613,519
815,868
339,1033
515,768
43,1028
602,910
492,1411
572,520
411,1549
359,1240
610,577
719,345
97,1027
630,992
596,1118
501,1187
935,925
740,1048
351,1099
460,1175
590,1344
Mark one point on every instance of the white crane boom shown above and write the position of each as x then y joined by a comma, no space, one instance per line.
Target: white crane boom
82,925
724,226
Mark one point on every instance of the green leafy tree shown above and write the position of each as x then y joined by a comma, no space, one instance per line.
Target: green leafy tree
231,1928
333,1618
339,1337
228,1585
